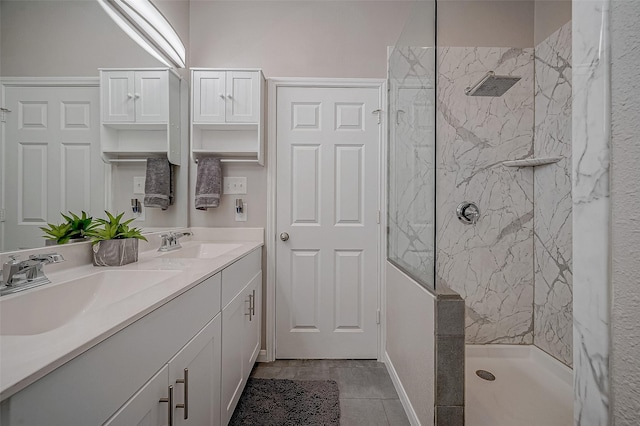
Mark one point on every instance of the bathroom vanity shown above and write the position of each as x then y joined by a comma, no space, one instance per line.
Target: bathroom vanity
178,351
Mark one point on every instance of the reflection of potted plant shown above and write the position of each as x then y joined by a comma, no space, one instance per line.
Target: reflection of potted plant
114,242
76,228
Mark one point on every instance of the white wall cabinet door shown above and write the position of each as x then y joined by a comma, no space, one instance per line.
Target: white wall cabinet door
118,88
151,96
243,98
233,363
209,96
135,96
195,375
145,408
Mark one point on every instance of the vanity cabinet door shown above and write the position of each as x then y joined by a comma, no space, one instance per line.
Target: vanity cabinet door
243,97
145,408
151,96
252,323
209,96
233,364
118,92
195,375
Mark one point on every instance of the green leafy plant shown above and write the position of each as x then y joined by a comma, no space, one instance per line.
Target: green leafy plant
113,229
74,227
60,233
80,226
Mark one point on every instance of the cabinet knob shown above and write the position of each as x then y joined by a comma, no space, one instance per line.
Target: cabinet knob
129,95
222,95
137,95
229,96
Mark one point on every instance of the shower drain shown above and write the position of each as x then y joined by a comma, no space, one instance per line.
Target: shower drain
485,375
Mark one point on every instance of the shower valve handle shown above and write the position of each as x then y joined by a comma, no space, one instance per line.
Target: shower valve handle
468,213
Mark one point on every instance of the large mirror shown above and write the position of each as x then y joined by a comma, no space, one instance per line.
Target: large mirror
50,54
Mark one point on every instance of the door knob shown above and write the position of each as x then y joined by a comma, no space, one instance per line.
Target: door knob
284,236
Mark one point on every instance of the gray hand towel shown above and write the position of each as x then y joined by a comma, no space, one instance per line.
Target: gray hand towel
208,183
158,183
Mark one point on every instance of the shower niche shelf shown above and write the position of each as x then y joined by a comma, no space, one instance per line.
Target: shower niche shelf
531,162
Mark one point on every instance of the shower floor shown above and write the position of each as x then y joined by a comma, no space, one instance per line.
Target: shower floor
531,388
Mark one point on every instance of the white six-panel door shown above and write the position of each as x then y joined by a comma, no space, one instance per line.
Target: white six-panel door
52,159
327,203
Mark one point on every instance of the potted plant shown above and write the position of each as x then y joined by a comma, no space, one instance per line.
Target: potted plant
114,242
75,229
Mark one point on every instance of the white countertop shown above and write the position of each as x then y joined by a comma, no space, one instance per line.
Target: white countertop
27,358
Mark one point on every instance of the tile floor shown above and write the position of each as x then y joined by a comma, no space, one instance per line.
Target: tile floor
367,395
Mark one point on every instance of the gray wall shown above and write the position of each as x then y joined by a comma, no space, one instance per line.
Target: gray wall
550,15
625,199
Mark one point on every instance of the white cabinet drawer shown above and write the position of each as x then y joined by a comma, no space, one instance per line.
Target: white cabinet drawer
236,276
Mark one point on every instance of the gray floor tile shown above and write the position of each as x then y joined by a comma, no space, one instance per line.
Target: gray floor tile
365,383
362,412
395,412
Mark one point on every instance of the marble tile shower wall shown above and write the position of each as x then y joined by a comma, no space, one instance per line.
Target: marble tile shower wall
489,264
553,307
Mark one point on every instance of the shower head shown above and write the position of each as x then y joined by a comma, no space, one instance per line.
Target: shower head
492,85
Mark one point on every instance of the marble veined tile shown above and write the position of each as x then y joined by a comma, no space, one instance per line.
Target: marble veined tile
553,300
490,263
591,206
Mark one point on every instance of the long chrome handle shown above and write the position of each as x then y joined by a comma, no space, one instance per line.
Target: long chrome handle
250,304
186,393
253,303
170,401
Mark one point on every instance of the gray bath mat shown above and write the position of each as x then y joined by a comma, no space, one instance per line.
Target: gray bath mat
277,402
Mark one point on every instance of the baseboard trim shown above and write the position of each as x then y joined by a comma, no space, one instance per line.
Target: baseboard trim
402,394
262,356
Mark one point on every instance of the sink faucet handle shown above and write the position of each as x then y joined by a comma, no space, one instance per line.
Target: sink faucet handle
47,257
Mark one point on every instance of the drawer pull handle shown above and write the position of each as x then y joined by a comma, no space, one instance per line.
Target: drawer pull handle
170,404
253,303
186,393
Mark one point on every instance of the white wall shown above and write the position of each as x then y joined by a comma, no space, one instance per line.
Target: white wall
410,329
625,198
485,23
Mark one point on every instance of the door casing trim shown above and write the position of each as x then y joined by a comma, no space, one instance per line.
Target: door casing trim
270,237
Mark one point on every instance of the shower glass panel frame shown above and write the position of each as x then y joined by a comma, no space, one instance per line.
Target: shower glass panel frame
412,146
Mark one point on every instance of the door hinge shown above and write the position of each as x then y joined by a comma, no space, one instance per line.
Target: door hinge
3,114
378,316
379,112
3,215
378,221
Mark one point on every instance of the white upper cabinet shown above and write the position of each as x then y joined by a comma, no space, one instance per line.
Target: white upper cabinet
227,119
141,114
135,96
226,96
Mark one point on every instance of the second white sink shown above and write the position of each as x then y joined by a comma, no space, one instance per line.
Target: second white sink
50,306
202,250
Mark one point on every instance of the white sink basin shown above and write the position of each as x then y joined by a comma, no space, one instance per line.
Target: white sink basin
50,306
202,251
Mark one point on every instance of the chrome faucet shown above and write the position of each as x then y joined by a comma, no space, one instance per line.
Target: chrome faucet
22,275
170,240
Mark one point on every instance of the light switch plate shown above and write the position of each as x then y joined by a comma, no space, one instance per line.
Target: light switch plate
138,184
234,185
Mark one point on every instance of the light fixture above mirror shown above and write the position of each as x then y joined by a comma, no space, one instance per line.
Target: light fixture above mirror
148,27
